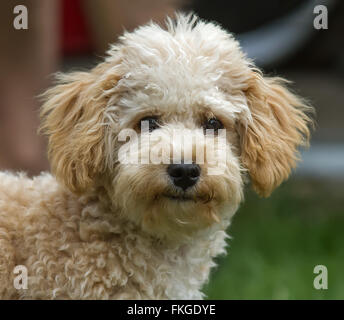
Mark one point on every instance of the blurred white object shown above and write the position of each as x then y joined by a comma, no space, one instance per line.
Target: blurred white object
276,41
323,161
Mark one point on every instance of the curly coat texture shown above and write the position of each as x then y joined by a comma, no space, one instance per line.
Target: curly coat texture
101,229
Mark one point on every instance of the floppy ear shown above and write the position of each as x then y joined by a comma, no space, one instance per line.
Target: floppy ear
72,117
279,125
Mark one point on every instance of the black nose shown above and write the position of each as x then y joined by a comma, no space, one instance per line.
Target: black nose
184,175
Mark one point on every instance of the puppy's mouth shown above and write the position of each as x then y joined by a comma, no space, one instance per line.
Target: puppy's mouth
182,197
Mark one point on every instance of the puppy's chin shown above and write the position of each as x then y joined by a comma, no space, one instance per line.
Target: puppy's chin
145,196
178,216
174,217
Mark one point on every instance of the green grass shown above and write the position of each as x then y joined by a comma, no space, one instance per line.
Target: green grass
277,242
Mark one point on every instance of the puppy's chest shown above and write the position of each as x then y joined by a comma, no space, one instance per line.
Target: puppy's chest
127,266
131,273
177,273
186,272
163,273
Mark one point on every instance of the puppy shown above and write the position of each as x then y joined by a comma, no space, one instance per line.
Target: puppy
100,227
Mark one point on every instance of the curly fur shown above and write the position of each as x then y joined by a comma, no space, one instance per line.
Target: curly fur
100,229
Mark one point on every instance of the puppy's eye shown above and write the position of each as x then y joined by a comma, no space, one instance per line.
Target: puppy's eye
152,123
214,124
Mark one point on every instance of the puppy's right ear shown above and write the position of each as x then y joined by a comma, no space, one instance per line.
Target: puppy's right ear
280,124
72,117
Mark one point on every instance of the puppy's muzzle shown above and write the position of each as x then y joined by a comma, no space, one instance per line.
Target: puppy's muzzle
184,175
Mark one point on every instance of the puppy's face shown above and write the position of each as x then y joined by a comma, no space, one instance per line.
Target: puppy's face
193,115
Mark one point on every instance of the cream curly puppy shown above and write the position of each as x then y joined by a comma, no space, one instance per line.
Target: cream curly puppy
102,228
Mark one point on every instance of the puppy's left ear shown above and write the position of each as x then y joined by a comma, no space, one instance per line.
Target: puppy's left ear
279,125
72,118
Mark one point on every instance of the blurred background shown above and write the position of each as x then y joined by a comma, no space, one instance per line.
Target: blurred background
276,242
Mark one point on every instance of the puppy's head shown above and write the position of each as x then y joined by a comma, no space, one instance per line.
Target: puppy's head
194,116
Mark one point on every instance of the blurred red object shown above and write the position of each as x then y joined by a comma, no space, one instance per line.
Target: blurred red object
76,38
